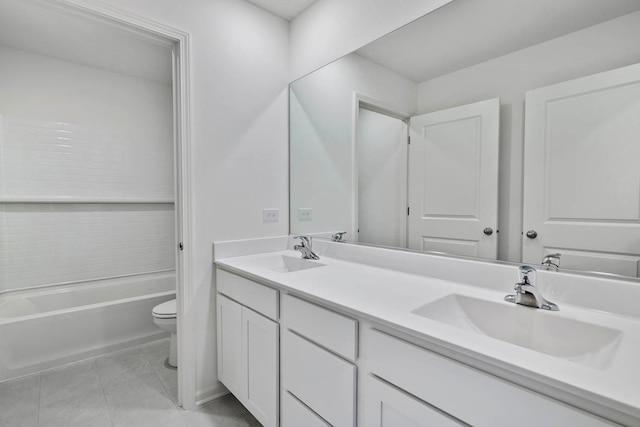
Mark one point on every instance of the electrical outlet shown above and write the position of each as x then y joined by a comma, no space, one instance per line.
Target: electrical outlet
305,214
270,215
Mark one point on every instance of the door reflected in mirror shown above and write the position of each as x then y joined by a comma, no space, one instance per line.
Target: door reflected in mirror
453,180
350,166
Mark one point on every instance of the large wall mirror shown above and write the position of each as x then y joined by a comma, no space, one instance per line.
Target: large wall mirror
499,129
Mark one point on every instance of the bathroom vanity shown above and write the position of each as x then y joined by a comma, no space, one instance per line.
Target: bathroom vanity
369,337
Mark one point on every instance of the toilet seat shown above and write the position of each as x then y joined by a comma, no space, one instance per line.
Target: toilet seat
166,310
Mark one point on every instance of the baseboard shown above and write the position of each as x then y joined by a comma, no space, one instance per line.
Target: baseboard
206,395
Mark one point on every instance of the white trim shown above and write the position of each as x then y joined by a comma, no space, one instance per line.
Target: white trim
86,200
208,394
186,318
355,119
179,40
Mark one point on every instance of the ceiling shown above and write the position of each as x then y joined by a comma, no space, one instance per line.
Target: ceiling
460,34
287,9
44,29
468,32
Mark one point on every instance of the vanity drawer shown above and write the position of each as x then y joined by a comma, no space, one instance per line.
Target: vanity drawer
321,380
386,406
334,331
465,393
295,414
260,298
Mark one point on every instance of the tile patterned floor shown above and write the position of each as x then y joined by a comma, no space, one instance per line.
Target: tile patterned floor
130,388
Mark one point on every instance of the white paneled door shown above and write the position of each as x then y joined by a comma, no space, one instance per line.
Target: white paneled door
453,180
582,172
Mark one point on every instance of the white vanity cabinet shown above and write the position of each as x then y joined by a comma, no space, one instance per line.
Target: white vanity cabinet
248,344
293,362
407,382
319,350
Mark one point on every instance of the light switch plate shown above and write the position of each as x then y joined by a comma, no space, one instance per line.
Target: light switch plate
305,214
270,215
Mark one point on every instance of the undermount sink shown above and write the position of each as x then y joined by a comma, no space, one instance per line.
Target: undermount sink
539,330
286,263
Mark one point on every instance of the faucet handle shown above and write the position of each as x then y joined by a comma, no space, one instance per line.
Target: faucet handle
552,261
305,247
304,240
337,237
527,275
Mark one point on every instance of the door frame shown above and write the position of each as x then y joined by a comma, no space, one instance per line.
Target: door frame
179,42
372,104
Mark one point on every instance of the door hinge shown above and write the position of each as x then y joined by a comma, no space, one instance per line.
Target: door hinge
409,140
180,246
407,210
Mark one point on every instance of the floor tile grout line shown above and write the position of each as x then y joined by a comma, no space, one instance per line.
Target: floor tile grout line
164,386
94,365
40,382
104,394
39,399
139,349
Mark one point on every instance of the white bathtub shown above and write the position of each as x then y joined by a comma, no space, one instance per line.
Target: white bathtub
49,327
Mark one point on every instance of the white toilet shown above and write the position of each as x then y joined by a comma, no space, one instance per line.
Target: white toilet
164,315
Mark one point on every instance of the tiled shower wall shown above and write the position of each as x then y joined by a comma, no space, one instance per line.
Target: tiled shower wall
86,191
41,159
46,243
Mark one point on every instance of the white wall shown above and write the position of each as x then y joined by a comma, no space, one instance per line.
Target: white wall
330,29
599,48
239,106
75,132
322,107
239,77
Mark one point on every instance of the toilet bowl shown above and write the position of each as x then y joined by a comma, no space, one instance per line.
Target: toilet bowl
164,316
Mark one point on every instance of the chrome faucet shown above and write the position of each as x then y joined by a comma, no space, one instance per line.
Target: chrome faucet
551,262
337,237
305,248
526,292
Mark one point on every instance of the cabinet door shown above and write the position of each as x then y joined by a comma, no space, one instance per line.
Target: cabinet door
231,370
386,406
260,337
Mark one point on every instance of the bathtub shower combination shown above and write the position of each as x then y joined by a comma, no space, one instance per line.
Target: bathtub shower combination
42,328
87,195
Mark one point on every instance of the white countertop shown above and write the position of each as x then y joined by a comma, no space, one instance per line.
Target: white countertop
388,297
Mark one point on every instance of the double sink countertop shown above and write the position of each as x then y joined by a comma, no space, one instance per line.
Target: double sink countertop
582,356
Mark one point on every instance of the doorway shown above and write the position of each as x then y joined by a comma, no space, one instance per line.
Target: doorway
174,201
427,182
381,164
